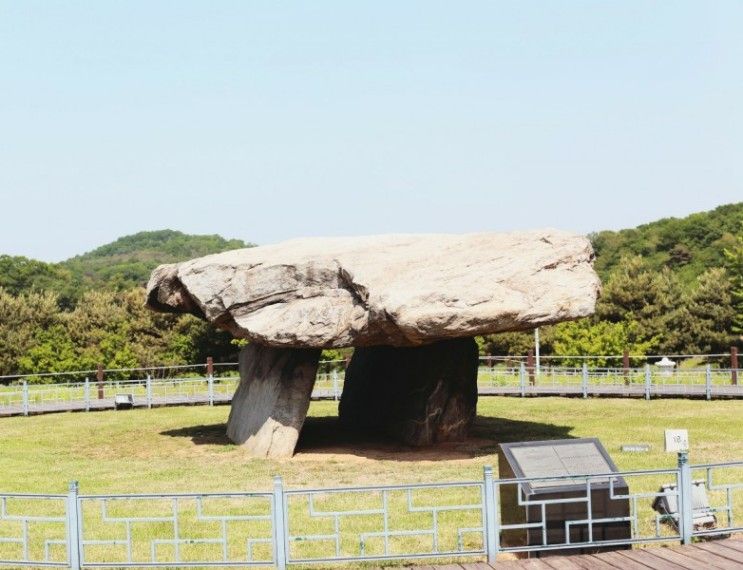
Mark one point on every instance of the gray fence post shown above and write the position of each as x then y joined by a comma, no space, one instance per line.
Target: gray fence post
278,522
86,394
490,515
648,381
73,527
149,391
708,382
584,380
334,374
24,390
686,520
522,379
210,386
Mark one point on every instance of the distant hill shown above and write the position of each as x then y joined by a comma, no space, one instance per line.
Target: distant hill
128,261
122,264
687,245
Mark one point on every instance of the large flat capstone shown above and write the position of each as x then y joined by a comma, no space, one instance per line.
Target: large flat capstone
396,290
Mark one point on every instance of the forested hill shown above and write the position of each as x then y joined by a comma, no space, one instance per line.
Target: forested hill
688,246
129,260
120,265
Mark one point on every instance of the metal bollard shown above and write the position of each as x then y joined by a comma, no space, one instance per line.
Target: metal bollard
149,391
25,398
648,382
708,382
490,515
584,380
86,394
522,379
278,523
686,517
73,527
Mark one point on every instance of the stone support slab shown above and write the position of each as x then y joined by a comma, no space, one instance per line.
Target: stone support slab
419,395
271,402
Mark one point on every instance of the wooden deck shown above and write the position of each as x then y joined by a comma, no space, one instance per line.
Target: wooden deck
719,554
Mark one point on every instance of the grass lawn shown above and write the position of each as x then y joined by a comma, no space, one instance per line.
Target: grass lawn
184,449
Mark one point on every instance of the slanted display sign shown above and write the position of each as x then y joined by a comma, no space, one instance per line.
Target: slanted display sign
560,510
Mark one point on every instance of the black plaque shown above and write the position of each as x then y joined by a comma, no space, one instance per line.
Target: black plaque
561,458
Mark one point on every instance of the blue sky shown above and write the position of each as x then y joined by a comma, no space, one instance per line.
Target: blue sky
272,120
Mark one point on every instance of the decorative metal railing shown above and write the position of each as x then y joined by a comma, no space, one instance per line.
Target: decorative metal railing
442,521
23,398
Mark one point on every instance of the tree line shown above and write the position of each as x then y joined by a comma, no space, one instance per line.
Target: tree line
89,310
640,309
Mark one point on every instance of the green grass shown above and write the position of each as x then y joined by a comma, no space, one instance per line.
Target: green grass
183,449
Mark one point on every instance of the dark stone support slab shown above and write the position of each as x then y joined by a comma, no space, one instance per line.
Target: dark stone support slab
271,402
419,395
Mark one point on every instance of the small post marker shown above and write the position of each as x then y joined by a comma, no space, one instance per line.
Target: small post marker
584,380
625,366
530,366
86,391
99,374
522,379
148,387
25,398
648,382
734,365
677,440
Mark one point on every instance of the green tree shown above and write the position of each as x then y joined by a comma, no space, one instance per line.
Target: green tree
22,318
587,338
707,317
650,299
52,351
20,275
734,266
510,343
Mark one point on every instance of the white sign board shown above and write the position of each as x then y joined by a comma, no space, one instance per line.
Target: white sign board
677,440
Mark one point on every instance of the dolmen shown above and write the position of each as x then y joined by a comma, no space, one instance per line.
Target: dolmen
410,305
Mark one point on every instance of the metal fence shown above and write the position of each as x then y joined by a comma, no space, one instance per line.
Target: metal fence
646,382
24,398
282,527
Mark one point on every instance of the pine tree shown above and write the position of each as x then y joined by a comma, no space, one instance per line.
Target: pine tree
708,315
649,299
734,265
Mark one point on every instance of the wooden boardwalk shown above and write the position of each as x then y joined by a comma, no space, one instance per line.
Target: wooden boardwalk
714,555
